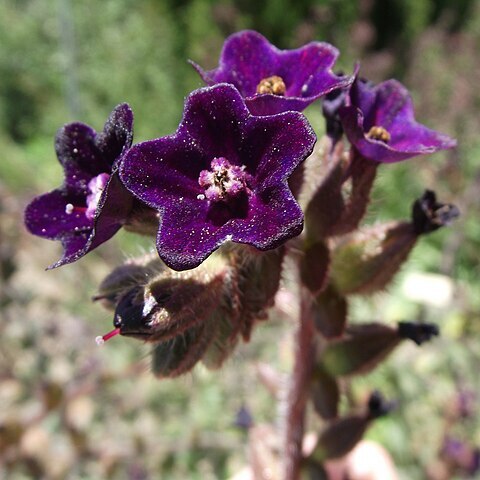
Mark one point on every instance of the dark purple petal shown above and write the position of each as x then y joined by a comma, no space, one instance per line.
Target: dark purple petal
77,152
166,168
185,238
85,154
284,139
46,215
389,106
256,155
114,206
211,115
117,134
248,58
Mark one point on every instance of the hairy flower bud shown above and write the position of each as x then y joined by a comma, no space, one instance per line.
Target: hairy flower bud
365,346
342,434
191,315
366,261
136,271
169,304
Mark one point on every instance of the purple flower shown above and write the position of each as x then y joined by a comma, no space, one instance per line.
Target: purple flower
91,205
379,122
222,176
274,81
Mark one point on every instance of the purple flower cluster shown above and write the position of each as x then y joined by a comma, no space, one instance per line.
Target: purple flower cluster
223,175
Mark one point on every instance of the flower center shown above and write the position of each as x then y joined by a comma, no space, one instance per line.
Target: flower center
379,133
223,181
274,85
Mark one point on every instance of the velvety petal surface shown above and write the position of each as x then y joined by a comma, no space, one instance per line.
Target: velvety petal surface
388,105
273,218
67,213
248,58
46,215
164,173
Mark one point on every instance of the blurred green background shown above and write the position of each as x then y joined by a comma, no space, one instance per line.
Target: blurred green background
71,410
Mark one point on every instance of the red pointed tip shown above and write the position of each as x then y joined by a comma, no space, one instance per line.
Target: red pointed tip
102,339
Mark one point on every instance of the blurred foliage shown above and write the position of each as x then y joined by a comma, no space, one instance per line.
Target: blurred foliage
70,410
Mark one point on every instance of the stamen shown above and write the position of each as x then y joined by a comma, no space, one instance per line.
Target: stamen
273,85
102,339
379,133
223,181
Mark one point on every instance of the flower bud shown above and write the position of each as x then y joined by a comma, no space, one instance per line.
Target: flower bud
366,261
195,314
136,271
339,202
361,175
169,304
342,434
365,346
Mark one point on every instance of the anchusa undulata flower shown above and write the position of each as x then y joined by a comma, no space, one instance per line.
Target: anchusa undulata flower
240,197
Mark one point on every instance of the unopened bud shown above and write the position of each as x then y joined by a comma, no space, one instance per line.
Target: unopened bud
253,283
134,272
366,261
339,202
322,197
192,315
243,418
342,434
169,304
314,267
339,437
358,183
429,215
331,103
364,346
361,349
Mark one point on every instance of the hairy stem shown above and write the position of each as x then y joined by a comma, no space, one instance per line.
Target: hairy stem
299,386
